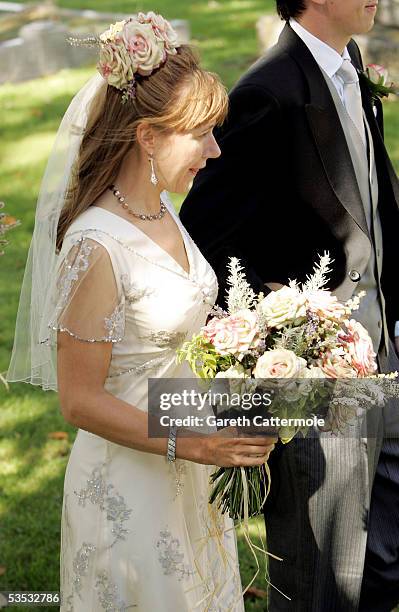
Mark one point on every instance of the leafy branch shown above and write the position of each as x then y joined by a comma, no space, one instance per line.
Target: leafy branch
319,278
240,295
201,356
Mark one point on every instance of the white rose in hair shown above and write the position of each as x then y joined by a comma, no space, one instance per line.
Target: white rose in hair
112,33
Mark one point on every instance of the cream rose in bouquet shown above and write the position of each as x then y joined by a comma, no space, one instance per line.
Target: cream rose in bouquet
279,363
283,307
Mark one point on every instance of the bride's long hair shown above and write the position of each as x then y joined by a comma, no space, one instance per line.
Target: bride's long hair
178,96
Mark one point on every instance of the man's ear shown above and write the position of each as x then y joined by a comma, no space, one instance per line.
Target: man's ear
146,137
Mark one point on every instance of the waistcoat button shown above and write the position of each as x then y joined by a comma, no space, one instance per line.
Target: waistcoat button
354,275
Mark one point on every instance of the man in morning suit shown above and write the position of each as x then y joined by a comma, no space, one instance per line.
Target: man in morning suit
304,170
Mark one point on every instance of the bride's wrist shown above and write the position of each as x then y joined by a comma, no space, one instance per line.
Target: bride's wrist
191,448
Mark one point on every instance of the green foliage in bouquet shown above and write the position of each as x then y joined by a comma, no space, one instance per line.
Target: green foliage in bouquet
200,355
300,401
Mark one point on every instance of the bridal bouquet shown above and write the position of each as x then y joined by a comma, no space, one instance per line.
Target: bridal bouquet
300,337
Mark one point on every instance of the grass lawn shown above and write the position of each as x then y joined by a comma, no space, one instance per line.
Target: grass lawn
34,439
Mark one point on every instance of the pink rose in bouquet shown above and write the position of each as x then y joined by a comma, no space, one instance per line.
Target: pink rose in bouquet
325,305
336,365
357,344
233,335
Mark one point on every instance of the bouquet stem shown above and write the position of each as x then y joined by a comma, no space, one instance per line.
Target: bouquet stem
242,492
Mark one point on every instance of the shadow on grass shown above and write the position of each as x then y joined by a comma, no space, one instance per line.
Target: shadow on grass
31,485
31,539
35,118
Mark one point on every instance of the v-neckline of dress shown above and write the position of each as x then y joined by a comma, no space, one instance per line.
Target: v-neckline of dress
158,246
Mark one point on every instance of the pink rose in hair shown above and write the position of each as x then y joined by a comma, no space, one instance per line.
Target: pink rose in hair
142,46
162,29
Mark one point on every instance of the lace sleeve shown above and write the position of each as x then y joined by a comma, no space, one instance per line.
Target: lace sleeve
89,305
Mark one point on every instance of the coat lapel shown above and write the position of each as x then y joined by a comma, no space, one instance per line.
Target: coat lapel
326,129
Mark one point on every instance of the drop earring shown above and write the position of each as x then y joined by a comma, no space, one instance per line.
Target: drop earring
153,178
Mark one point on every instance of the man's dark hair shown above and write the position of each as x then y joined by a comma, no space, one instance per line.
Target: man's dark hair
290,8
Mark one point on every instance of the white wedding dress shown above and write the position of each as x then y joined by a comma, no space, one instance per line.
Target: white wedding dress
137,532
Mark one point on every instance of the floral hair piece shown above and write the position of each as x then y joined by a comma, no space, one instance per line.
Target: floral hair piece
134,47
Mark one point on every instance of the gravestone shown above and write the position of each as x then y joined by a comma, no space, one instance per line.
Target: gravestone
42,48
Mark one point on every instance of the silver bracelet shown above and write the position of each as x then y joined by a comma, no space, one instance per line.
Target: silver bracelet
171,453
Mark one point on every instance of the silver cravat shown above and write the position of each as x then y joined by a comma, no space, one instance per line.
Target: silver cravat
352,96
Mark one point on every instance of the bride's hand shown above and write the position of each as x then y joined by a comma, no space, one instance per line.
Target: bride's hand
223,450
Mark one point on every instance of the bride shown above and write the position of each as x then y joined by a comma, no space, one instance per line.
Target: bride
113,286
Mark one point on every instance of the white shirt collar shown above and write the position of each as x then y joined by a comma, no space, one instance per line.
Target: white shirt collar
327,58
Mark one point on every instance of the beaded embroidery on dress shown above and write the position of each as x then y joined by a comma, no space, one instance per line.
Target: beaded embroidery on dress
136,531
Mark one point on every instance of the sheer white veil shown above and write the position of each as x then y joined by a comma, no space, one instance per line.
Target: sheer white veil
34,360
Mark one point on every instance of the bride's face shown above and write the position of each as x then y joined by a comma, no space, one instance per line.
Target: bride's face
179,157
